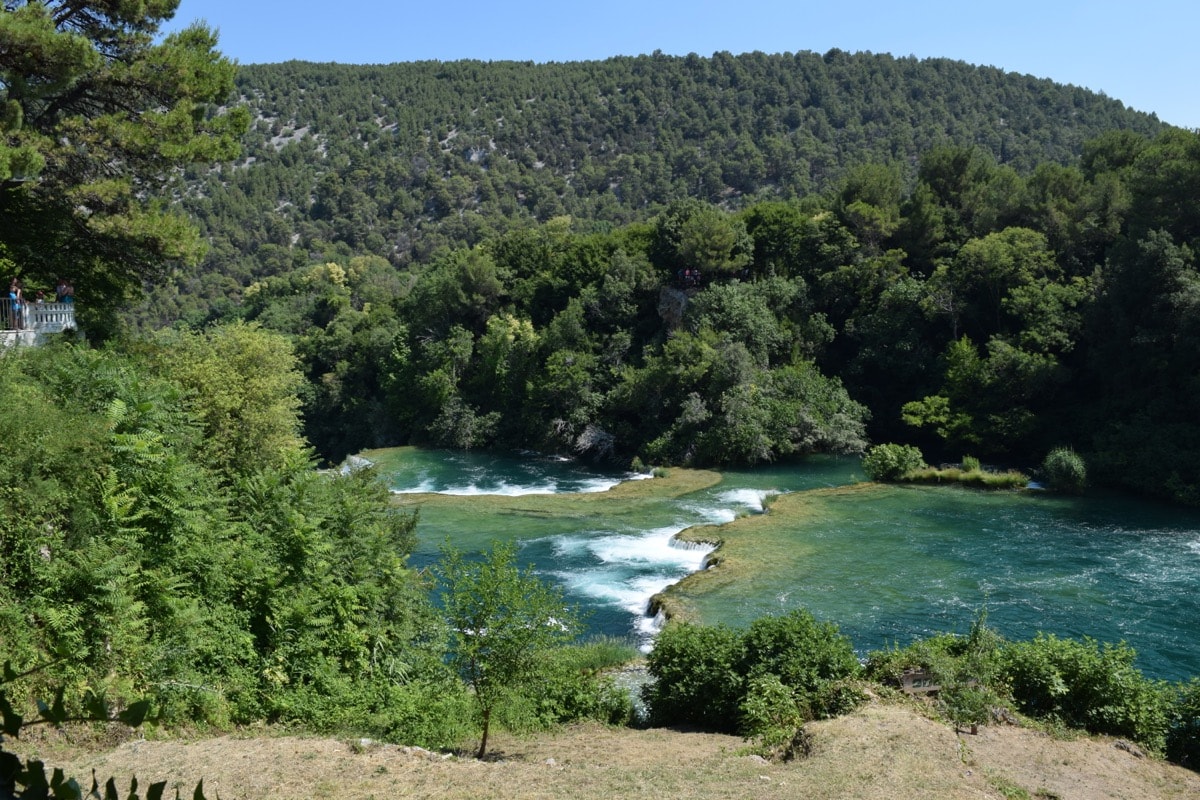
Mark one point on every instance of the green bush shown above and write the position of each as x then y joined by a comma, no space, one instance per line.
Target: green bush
889,462
1065,471
437,714
979,478
1183,728
952,659
938,654
835,698
1087,685
971,464
702,675
567,687
696,677
967,705
772,719
805,654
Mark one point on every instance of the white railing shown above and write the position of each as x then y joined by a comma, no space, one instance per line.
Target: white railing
50,317
35,321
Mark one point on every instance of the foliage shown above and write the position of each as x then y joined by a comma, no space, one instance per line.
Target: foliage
805,654
979,478
245,386
951,658
501,619
889,462
1065,470
1087,685
563,689
702,675
772,719
966,705
1183,727
98,119
696,677
27,778
966,668
222,594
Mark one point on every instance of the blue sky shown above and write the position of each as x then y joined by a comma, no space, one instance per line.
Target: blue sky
1142,53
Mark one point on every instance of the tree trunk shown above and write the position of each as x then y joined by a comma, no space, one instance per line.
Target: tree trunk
487,719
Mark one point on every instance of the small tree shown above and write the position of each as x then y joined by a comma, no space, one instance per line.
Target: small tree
501,617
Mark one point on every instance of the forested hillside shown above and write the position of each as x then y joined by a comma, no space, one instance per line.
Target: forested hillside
400,160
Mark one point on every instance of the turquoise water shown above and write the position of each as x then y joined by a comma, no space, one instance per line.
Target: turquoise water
888,564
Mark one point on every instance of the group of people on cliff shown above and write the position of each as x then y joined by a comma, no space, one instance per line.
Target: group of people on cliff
15,312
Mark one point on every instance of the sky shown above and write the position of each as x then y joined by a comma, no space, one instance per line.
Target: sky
1141,52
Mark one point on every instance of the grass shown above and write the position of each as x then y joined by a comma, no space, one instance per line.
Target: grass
880,752
603,652
977,477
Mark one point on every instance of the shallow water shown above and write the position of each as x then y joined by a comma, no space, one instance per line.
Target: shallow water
887,564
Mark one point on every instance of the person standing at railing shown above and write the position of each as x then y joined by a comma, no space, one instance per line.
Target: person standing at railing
15,301
64,292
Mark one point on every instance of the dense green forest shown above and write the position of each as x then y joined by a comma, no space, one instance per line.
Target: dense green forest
478,255
398,161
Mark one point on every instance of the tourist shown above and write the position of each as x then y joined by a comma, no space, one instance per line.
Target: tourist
15,301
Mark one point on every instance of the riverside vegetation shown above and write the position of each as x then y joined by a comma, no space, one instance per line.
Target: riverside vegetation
165,536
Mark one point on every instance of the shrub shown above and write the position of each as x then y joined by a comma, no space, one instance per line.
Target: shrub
1086,685
566,688
1183,729
971,464
696,677
835,698
1065,471
703,675
773,720
941,654
888,462
979,478
437,714
804,653
950,657
967,705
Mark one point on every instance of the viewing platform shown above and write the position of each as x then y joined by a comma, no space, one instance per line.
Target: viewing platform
38,321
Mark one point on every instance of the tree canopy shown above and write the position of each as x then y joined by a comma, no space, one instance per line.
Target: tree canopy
96,118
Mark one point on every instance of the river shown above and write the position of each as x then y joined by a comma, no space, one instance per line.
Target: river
888,564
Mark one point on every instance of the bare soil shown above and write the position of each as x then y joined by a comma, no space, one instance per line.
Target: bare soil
884,750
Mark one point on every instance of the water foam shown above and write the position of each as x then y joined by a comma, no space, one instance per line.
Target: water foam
626,569
752,499
481,488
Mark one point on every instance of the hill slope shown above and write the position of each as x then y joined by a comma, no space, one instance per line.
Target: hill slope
399,160
882,751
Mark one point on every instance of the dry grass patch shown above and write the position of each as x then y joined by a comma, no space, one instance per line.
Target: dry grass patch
884,750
